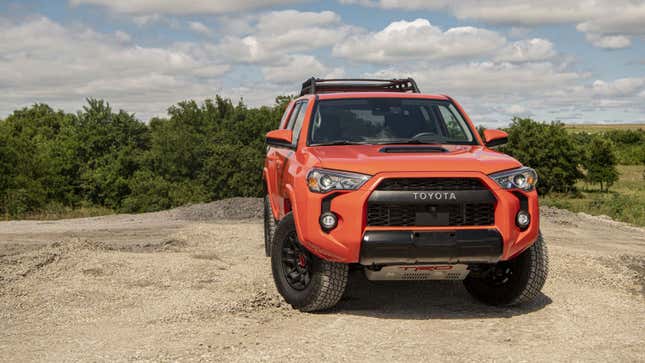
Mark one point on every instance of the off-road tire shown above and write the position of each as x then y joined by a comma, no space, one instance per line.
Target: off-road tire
529,272
327,279
269,226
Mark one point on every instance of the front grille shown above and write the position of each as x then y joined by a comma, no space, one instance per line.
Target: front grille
434,213
420,184
392,215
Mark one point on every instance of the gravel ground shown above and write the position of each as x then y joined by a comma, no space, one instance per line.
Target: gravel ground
192,284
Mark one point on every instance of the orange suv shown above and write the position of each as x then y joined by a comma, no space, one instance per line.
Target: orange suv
372,174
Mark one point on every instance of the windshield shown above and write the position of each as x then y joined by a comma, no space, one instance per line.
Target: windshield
388,121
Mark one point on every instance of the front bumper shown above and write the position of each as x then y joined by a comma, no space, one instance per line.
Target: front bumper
346,243
409,247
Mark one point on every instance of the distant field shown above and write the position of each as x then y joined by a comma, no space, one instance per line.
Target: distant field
624,202
603,127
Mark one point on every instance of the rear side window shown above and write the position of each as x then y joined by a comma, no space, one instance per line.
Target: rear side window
294,115
285,114
299,120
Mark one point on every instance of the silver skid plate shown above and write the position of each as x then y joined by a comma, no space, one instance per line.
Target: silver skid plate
418,272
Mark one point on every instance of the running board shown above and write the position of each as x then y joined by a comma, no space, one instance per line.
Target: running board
418,272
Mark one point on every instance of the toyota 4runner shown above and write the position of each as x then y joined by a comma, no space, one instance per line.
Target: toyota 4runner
372,174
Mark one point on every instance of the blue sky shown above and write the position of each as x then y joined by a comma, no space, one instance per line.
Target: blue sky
575,61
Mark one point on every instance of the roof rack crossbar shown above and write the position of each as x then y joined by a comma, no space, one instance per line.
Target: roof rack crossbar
317,85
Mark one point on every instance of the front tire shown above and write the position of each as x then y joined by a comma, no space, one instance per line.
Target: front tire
269,226
512,282
304,280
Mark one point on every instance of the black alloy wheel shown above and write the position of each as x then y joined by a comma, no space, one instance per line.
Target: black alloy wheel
296,263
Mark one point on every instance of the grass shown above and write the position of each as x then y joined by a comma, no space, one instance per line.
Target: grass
64,213
624,202
591,128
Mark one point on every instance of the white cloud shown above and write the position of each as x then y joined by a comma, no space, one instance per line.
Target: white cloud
530,50
199,27
182,7
122,36
149,19
609,41
296,69
143,20
418,39
600,17
488,79
260,55
620,17
622,87
493,92
43,61
515,109
282,21
273,36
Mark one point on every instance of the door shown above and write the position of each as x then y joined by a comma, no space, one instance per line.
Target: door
276,158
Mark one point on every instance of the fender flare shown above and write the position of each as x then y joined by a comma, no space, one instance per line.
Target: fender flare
269,191
294,209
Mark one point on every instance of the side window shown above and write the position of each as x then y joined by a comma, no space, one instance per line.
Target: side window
455,124
294,115
299,121
284,117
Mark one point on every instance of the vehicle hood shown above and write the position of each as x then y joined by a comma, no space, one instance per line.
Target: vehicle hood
369,159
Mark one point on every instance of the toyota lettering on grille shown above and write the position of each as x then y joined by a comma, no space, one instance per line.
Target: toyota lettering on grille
434,196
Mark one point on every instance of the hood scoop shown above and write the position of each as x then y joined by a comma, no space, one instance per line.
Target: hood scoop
412,149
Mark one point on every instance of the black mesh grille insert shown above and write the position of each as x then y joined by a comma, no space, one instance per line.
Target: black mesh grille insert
471,214
431,184
438,214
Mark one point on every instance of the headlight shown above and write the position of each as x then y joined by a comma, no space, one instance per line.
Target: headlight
522,178
322,181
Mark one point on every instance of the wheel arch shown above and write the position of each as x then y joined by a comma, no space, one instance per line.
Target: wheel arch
290,203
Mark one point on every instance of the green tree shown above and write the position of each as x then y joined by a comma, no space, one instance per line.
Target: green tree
110,150
549,149
36,165
99,157
600,163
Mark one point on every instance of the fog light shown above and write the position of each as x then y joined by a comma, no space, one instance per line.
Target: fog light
523,219
328,220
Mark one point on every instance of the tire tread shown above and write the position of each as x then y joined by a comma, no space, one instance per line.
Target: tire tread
327,287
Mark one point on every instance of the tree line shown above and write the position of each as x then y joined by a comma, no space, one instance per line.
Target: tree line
562,158
98,157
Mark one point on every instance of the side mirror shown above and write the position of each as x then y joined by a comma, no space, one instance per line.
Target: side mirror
280,138
495,137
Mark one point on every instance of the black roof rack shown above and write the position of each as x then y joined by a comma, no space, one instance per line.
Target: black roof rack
317,85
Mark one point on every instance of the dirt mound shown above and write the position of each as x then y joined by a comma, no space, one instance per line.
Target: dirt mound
566,217
225,209
14,267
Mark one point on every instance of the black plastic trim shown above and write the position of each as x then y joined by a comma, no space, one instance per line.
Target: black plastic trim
524,205
497,142
279,143
432,196
412,149
325,207
409,246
